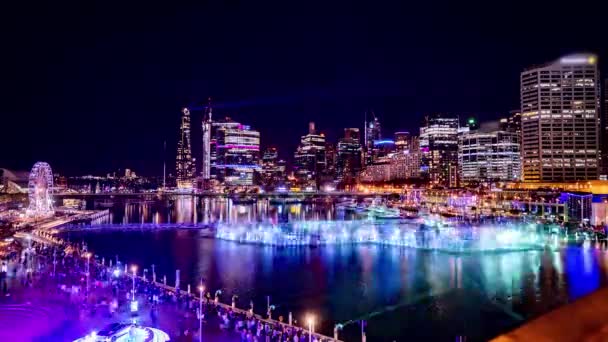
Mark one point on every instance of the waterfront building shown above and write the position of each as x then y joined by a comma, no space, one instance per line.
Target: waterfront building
578,205
206,135
383,148
310,160
398,166
349,156
403,141
512,123
330,158
184,168
560,120
439,150
604,137
373,133
488,154
273,169
234,153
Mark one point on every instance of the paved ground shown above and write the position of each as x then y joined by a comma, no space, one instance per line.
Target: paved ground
42,312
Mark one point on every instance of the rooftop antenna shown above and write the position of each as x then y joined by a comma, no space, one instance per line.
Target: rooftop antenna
164,165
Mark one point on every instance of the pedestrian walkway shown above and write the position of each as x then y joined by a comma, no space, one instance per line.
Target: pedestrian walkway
69,296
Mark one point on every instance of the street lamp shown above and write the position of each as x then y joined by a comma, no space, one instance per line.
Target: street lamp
201,290
88,256
311,322
134,270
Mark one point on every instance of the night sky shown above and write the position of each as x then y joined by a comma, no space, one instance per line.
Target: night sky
92,88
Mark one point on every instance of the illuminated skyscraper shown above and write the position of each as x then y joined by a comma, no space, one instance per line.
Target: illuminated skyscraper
403,141
349,156
372,133
235,152
489,154
206,133
184,168
560,120
310,158
439,148
273,169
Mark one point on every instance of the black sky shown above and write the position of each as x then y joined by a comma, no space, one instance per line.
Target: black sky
93,87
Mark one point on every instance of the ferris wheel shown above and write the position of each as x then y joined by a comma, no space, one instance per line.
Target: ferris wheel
40,190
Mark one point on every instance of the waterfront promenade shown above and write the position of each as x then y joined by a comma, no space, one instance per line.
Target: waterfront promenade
56,306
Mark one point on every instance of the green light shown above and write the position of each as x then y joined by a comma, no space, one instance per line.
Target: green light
471,121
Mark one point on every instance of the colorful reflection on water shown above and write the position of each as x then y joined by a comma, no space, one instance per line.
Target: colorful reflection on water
405,293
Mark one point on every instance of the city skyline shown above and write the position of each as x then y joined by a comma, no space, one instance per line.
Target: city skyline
113,101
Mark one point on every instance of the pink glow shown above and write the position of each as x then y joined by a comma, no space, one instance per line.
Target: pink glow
245,147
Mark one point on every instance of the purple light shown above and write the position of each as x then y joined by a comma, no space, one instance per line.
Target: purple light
244,147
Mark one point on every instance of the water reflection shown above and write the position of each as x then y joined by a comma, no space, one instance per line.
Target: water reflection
403,292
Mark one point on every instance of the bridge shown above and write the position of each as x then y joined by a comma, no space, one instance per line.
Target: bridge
318,194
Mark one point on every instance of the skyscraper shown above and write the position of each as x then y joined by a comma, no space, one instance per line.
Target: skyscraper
310,158
184,168
403,141
237,153
489,154
349,155
206,134
604,140
273,171
560,120
439,148
373,132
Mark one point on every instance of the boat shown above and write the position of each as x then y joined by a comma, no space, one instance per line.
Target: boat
243,200
349,204
288,200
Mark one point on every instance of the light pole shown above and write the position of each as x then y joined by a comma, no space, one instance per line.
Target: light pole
201,290
88,256
311,322
54,262
134,270
153,274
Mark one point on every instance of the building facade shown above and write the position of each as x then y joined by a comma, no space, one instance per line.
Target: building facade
310,158
349,156
373,133
403,141
273,169
206,135
398,166
184,164
560,120
235,153
439,150
488,156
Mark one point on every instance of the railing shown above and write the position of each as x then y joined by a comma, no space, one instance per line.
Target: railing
45,237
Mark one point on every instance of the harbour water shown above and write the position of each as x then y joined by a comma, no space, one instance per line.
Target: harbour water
404,293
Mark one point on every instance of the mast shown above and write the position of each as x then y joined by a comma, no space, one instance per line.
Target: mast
164,165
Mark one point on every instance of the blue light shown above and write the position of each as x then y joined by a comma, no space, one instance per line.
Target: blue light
383,142
237,166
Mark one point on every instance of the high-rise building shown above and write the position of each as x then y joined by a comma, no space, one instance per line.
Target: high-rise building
349,156
403,141
400,165
373,133
560,120
488,154
310,159
184,168
439,150
604,140
206,135
512,123
331,159
273,171
235,150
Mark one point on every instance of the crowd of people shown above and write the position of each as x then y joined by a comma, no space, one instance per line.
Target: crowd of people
103,288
